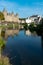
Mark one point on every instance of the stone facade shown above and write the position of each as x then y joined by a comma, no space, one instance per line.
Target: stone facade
10,17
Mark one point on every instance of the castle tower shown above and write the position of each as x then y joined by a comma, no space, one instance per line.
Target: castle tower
17,15
4,11
12,13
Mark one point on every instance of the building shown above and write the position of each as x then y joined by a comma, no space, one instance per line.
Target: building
10,17
28,20
35,18
22,20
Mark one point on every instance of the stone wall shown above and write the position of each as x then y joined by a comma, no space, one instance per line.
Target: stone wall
10,17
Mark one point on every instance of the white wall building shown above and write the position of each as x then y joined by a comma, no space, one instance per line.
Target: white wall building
28,21
35,18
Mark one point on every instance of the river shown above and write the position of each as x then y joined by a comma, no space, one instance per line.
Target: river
23,48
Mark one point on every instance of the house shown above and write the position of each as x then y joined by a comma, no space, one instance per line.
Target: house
28,20
35,18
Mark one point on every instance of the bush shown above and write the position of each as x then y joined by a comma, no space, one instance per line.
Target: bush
2,42
25,26
10,26
2,16
31,26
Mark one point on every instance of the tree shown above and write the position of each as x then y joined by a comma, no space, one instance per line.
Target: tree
31,27
41,22
25,26
1,16
40,27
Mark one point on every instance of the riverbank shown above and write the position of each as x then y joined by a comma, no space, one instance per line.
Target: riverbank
4,60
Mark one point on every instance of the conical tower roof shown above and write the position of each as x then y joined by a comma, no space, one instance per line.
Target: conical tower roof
4,10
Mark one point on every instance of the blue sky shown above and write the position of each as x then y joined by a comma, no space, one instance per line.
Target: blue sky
24,8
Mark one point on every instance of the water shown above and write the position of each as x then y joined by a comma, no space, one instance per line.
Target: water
24,48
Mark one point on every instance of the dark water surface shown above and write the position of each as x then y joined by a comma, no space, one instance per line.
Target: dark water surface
24,49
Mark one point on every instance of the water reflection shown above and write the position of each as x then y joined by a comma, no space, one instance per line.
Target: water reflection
29,33
42,41
23,49
4,60
9,33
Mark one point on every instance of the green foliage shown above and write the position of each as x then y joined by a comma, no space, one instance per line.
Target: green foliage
25,26
16,26
1,16
41,22
39,27
31,27
3,26
3,33
2,42
10,26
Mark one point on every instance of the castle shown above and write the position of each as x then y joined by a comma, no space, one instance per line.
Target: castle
10,17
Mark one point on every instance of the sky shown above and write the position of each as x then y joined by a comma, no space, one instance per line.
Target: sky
24,8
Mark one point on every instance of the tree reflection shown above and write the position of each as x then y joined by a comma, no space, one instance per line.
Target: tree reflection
2,43
42,41
3,59
9,32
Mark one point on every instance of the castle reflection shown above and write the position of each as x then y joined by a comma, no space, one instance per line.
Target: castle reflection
9,33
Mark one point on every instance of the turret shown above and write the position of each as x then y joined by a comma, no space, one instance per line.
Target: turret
4,11
17,15
12,13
